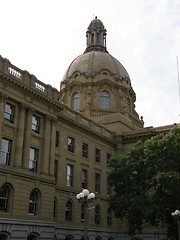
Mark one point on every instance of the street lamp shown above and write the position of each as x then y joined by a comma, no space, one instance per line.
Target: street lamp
85,197
176,215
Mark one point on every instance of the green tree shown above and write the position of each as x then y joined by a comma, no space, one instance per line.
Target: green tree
146,183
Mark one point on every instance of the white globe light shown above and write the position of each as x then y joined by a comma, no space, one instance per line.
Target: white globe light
78,196
177,212
92,195
81,195
85,192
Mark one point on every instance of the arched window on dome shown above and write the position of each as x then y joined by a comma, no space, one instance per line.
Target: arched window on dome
105,99
75,101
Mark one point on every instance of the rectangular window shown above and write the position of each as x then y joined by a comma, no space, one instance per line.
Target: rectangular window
108,189
70,144
85,150
33,159
108,158
97,182
9,112
84,178
69,175
6,146
35,124
57,139
97,155
55,169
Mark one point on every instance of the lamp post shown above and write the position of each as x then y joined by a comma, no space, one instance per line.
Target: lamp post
176,215
85,197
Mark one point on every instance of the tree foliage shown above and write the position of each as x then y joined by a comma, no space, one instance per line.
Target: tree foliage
146,182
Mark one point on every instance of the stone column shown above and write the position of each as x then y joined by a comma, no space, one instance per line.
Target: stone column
46,145
20,135
27,138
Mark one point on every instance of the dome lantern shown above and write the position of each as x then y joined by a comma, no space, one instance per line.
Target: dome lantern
96,36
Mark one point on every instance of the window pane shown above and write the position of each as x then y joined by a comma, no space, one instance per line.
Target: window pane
68,213
97,182
75,101
9,112
33,159
85,150
84,178
57,139
70,144
105,100
97,155
5,151
97,215
3,198
55,169
35,123
69,175
32,203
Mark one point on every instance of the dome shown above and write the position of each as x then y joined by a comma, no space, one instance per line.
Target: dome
96,24
97,85
95,59
94,62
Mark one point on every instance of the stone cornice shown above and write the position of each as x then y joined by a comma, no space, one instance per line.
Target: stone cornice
89,129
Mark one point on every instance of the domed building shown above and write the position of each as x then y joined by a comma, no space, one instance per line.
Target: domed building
97,85
55,143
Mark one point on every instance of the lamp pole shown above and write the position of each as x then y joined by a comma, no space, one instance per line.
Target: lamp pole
85,197
176,214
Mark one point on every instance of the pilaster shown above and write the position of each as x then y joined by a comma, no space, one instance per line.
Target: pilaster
52,151
46,145
27,138
20,135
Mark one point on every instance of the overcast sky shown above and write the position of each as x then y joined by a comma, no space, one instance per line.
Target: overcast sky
44,36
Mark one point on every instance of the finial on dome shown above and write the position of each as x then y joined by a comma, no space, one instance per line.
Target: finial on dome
95,17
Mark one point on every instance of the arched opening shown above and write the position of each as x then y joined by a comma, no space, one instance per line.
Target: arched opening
109,217
69,237
105,100
98,238
33,236
75,101
97,214
33,202
5,197
4,235
68,211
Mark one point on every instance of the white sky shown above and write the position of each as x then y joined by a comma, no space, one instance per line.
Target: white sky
44,36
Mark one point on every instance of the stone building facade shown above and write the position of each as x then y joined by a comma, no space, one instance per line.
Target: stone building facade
55,143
